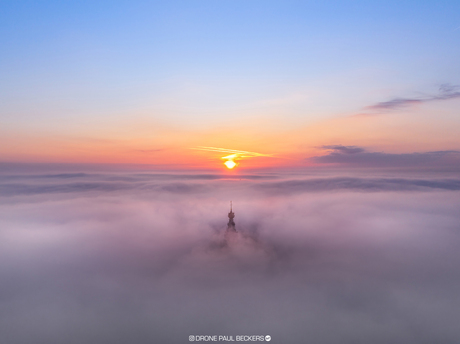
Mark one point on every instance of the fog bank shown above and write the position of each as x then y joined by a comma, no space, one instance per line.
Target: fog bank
142,258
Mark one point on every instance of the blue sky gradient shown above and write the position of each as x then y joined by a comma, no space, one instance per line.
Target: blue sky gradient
73,67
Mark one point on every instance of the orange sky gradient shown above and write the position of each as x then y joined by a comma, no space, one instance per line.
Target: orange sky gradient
141,140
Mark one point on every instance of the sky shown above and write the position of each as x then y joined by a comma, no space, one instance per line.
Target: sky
132,82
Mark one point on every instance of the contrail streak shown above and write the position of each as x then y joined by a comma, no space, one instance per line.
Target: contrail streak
240,153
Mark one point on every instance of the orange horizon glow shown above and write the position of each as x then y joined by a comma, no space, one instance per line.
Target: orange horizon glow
175,148
232,159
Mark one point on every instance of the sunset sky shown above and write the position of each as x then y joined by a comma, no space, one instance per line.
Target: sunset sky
144,82
128,130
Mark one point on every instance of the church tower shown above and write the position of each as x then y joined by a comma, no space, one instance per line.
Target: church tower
231,223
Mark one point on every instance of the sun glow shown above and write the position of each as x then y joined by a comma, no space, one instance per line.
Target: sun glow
232,159
230,164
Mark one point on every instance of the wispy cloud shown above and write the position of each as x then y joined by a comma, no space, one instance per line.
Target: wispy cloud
360,157
344,149
240,153
357,184
164,185
232,159
150,150
446,91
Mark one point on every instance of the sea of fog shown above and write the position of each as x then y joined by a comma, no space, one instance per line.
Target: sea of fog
138,258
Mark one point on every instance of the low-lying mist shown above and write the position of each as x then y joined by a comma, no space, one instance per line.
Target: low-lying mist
143,258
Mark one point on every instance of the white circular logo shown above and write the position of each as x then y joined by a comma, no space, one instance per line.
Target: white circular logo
268,338
191,338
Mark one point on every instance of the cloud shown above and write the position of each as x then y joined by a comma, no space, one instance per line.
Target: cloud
358,184
240,153
234,156
446,92
40,184
149,150
360,157
13,189
344,149
138,265
201,185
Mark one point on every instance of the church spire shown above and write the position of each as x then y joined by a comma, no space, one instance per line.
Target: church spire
231,216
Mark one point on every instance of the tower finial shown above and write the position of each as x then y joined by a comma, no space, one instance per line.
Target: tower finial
231,216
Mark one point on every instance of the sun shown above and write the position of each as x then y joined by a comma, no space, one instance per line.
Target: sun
236,155
230,164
